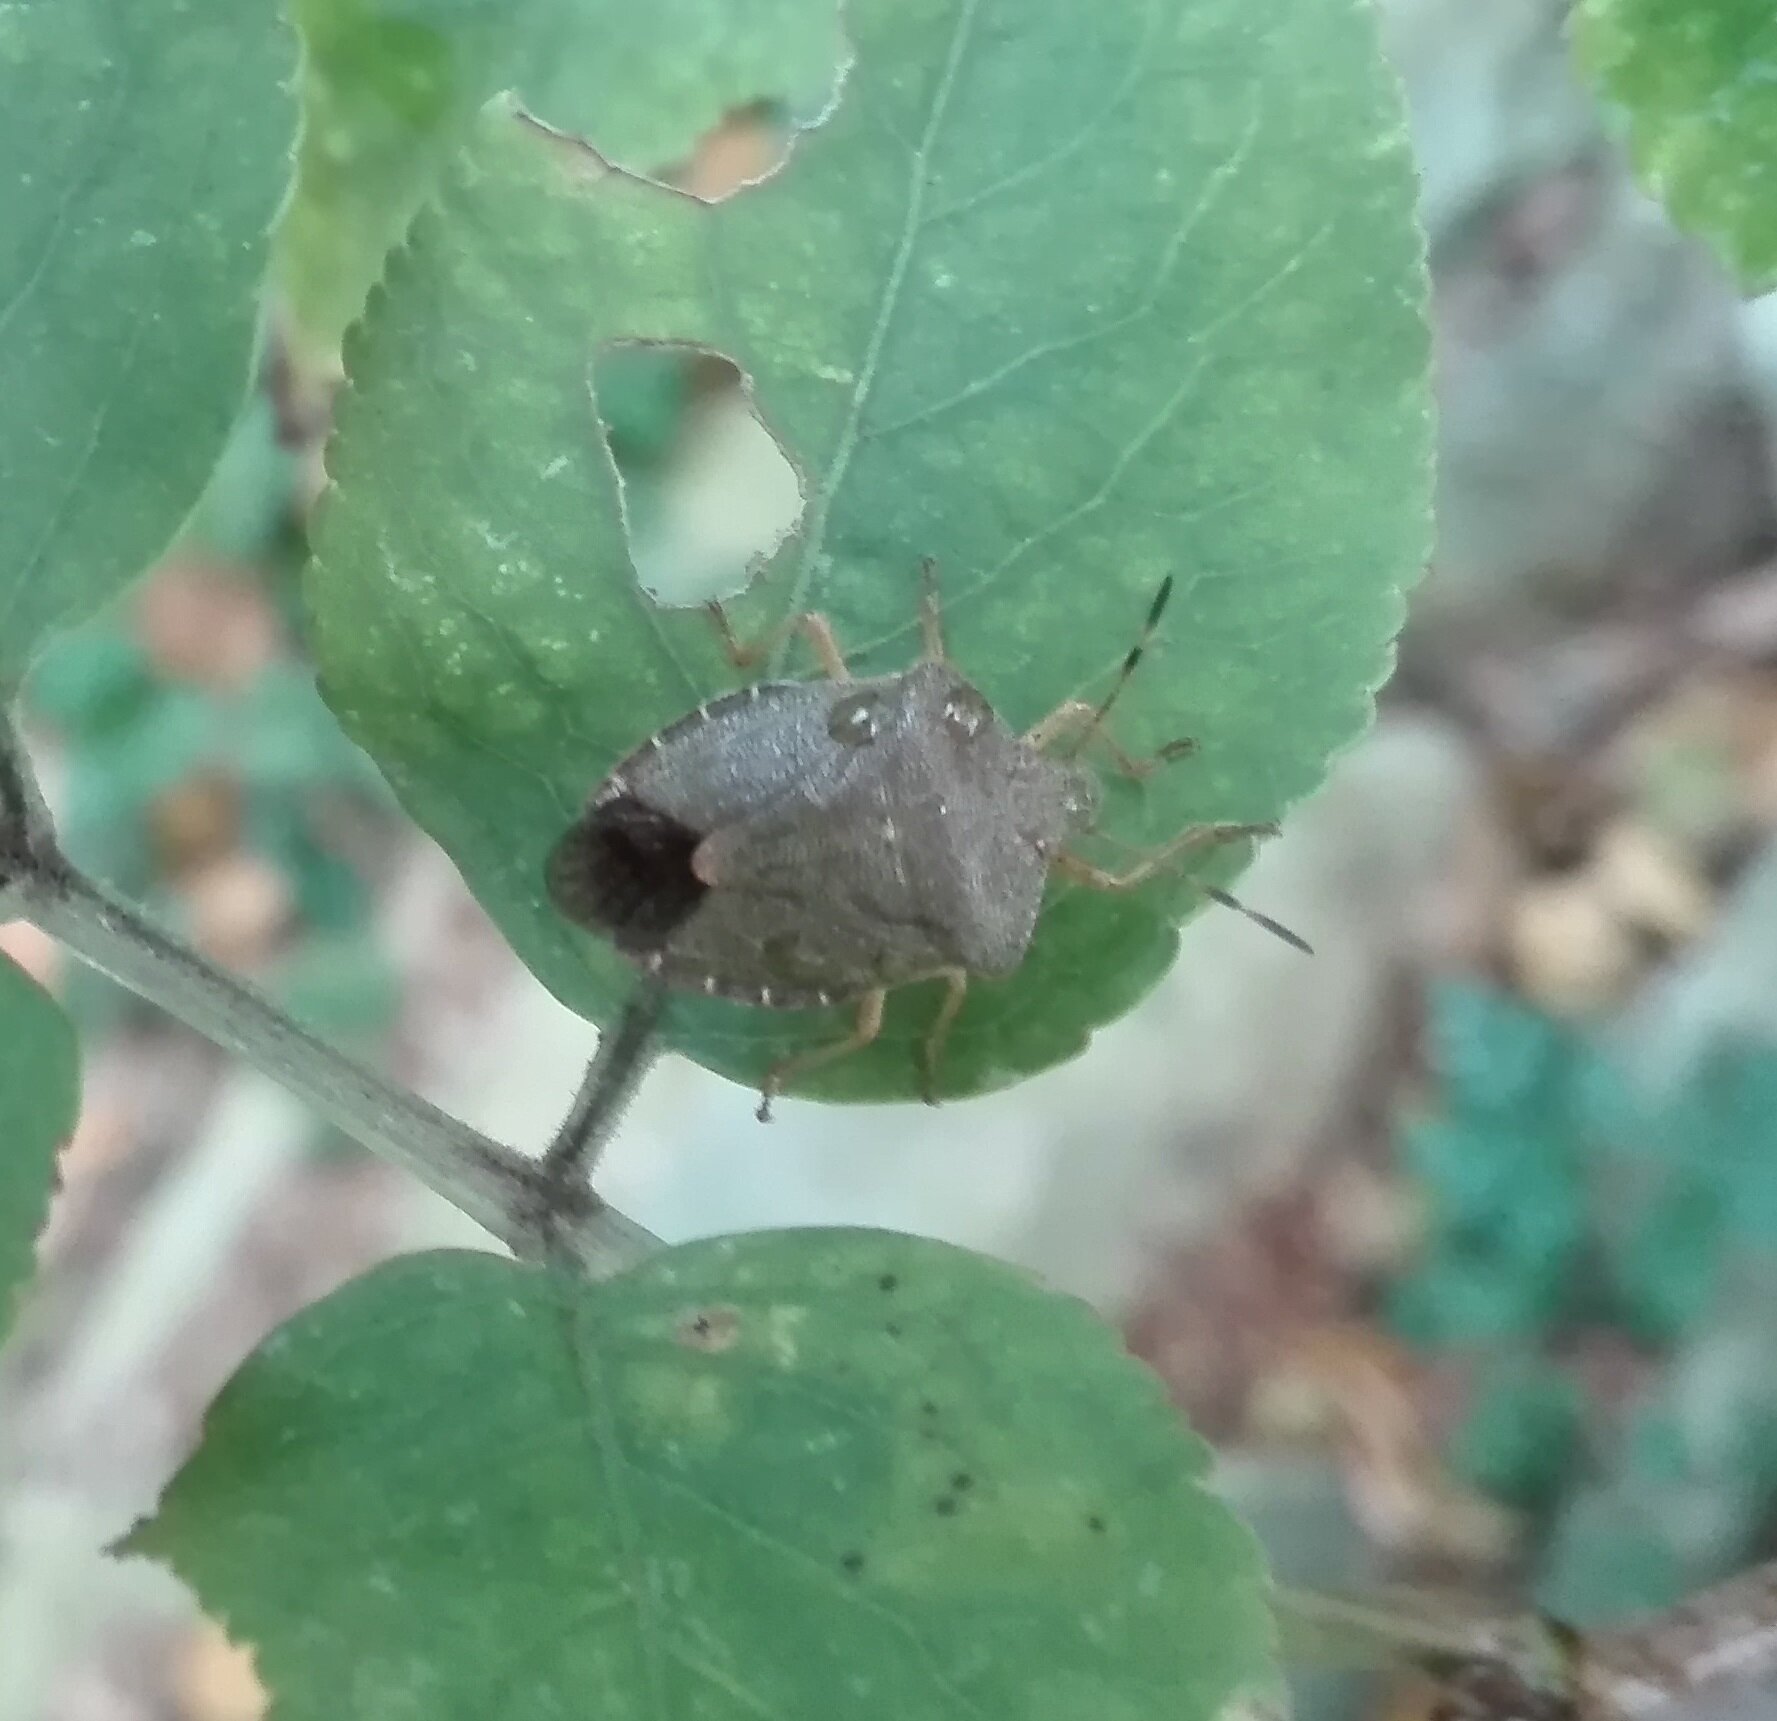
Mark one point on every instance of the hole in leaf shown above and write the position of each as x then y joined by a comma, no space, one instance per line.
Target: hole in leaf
754,138
749,143
706,490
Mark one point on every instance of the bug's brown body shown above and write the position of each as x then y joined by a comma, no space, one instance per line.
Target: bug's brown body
801,843
928,824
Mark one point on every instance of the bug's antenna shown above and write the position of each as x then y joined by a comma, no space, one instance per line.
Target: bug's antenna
1275,927
1155,611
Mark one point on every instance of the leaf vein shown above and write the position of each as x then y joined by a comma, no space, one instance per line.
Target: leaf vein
77,184
820,505
120,387
1168,411
722,1679
618,1468
830,1580
1139,311
1065,151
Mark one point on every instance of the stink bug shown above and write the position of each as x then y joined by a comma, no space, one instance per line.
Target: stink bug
799,843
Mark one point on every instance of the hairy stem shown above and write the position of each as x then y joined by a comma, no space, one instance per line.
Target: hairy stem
623,1057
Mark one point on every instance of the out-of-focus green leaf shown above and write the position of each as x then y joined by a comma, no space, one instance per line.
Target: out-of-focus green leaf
1698,84
144,151
91,683
248,511
1495,1054
1609,1558
1520,1437
1668,1267
389,86
39,1100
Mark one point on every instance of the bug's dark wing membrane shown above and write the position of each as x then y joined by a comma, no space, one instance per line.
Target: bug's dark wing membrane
624,868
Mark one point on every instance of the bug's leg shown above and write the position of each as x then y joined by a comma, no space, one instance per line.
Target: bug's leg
1076,717
931,1053
867,1027
1142,769
931,612
1157,860
814,627
1196,837
1067,719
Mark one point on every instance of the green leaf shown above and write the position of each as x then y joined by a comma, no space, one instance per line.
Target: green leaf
251,509
146,145
1498,1058
796,1475
93,683
1696,82
1520,1435
390,85
1070,311
39,1099
1609,1557
1667,1270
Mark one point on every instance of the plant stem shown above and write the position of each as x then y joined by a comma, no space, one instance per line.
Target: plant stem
29,859
493,1184
623,1057
535,1214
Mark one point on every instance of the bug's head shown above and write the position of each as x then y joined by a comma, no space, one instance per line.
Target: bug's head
940,700
624,869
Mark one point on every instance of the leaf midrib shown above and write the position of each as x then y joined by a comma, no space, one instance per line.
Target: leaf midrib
846,443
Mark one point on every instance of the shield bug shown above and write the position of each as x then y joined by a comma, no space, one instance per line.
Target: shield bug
802,843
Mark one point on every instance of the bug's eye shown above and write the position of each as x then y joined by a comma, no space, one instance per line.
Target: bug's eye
856,720
966,713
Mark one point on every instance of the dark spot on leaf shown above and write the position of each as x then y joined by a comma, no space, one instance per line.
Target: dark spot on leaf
892,1328
1095,1524
945,1505
853,1562
888,1282
927,1408
962,1481
716,1328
